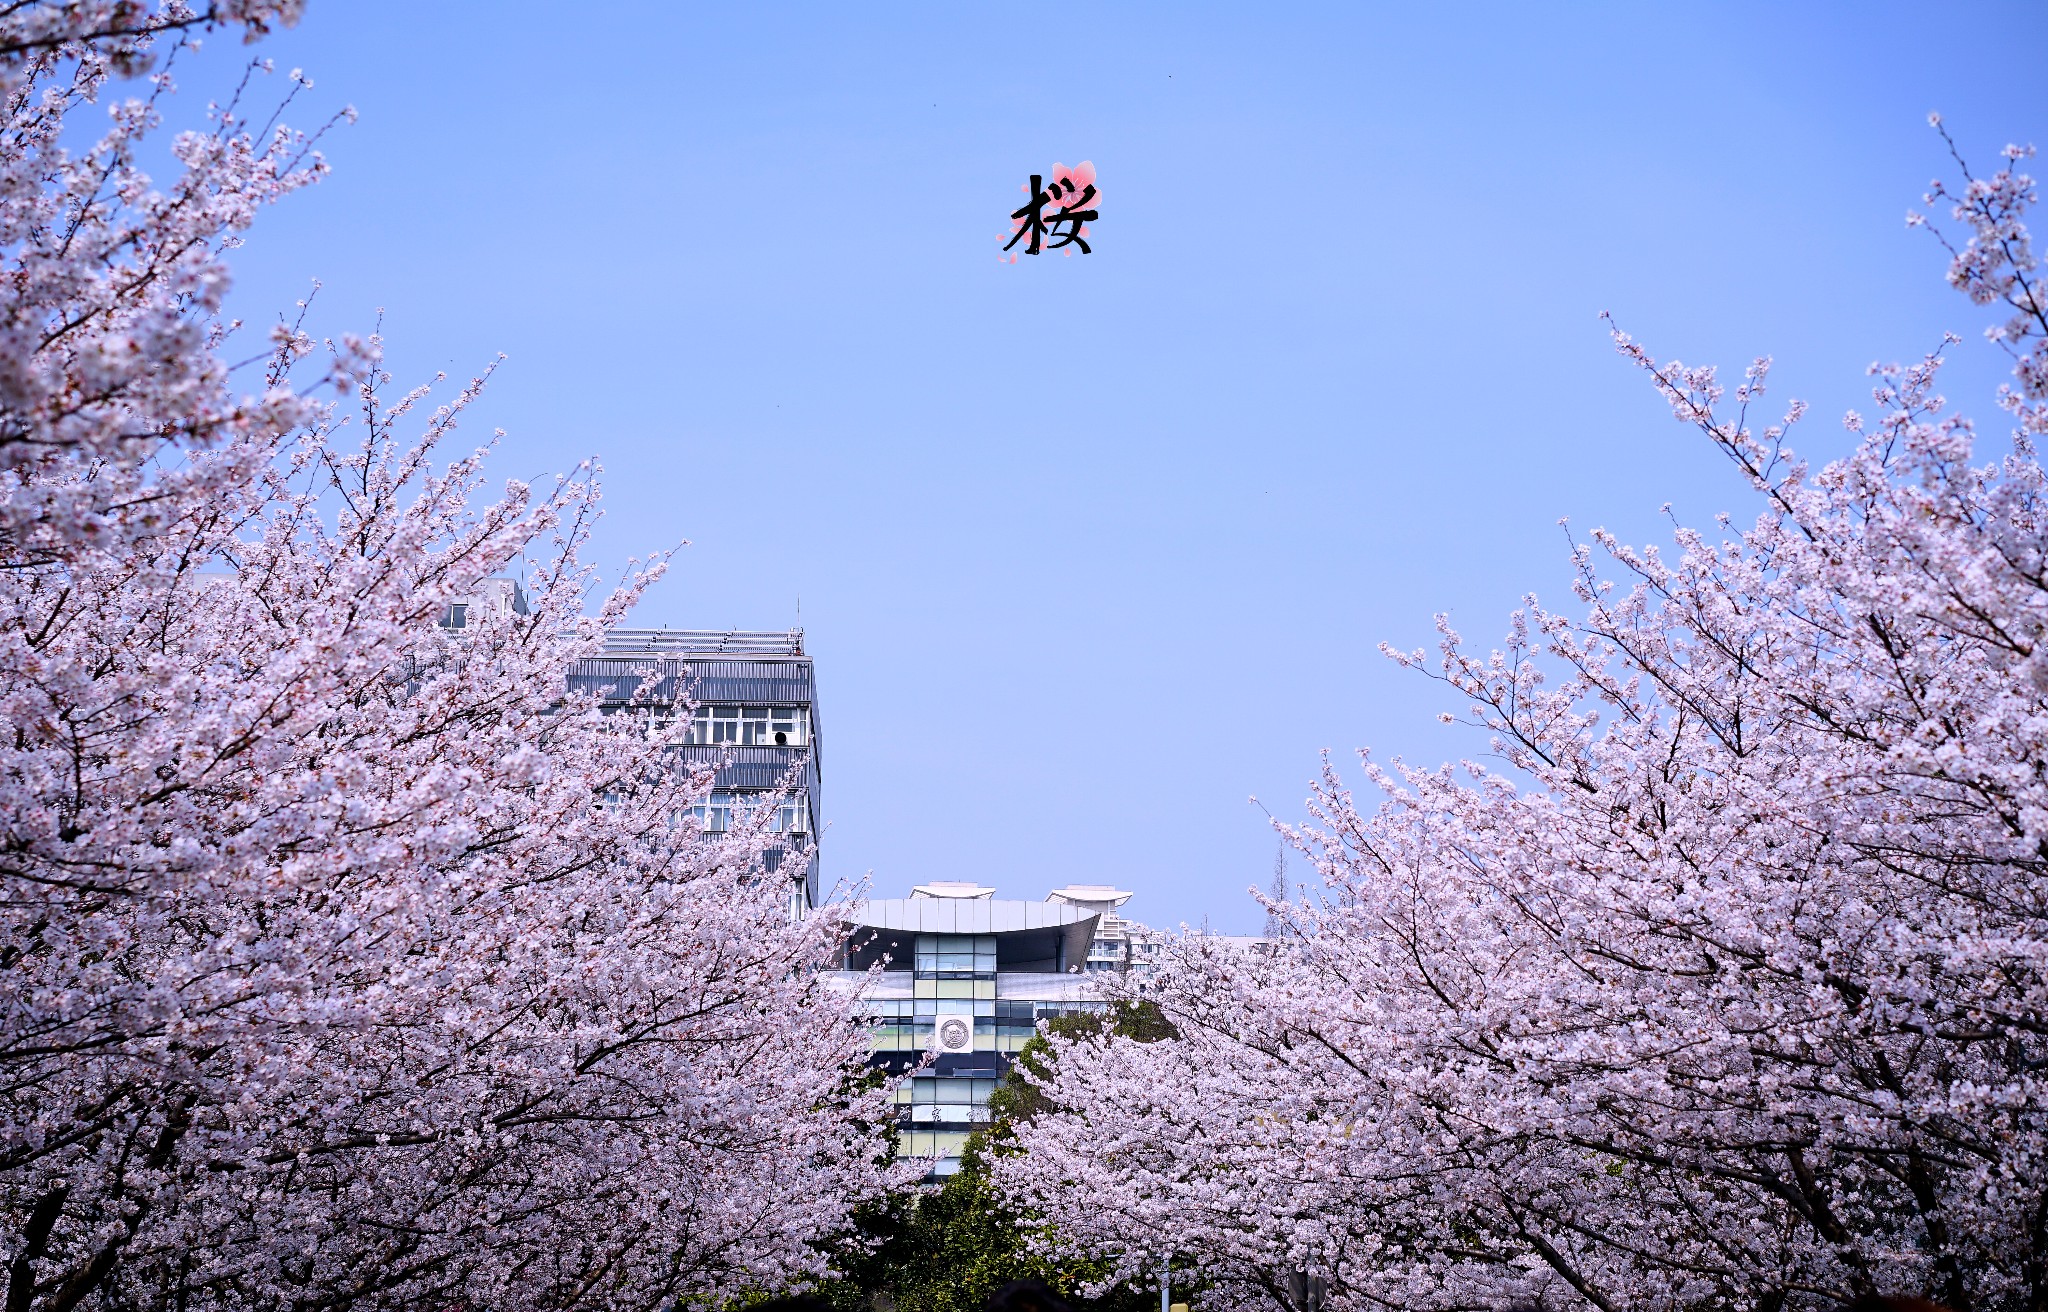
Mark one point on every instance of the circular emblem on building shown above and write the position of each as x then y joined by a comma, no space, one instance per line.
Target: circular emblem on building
955,1034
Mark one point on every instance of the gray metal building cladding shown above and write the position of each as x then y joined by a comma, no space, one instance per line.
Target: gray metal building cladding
669,668
1030,936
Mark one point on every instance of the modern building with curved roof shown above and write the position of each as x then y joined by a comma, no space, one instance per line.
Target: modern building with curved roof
959,973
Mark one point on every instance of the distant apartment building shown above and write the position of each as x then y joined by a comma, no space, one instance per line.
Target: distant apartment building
752,708
966,977
1120,945
494,596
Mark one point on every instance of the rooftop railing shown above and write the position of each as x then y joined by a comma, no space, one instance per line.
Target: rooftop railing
703,642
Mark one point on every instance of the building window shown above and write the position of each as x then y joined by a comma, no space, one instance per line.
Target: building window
896,1030
926,1143
945,1099
717,813
956,954
749,726
714,813
456,615
707,725
715,724
1016,1019
906,1024
954,988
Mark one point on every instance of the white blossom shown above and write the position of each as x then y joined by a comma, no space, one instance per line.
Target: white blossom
1732,992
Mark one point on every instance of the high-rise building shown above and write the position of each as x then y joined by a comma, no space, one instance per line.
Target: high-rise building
1119,944
966,977
753,708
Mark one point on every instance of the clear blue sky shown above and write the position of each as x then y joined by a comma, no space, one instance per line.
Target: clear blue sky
1092,549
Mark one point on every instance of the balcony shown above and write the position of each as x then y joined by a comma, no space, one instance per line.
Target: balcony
750,768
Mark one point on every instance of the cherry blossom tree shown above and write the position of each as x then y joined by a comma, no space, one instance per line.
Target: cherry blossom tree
1732,991
343,961
107,344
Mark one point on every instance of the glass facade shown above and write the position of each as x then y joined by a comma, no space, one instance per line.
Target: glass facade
953,975
940,1112
955,956
906,1024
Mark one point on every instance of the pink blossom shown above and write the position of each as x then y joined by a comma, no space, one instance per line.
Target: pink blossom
1731,990
342,963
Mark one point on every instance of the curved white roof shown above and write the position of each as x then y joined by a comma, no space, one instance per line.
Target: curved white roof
1090,894
952,888
960,915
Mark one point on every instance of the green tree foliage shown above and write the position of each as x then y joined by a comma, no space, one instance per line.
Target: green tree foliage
946,1249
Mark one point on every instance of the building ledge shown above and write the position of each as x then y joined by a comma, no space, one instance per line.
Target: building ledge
1045,986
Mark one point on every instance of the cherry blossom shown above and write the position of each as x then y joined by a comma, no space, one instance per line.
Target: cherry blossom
1725,986
344,961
